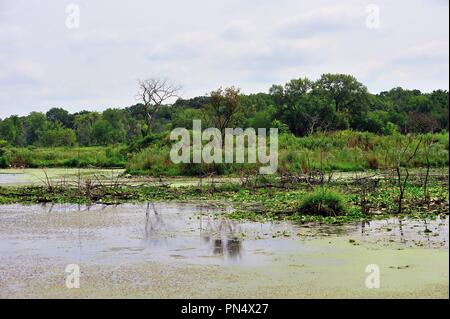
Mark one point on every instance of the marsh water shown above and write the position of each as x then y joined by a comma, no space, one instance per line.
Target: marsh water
38,176
196,239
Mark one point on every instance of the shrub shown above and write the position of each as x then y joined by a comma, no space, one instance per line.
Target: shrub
57,137
4,163
323,202
372,162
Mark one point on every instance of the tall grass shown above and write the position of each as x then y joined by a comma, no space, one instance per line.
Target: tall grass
77,157
341,151
323,202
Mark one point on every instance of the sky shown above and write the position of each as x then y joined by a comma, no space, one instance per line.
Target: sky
48,59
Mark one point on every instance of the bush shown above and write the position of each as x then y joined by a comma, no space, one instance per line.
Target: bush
57,137
101,157
4,163
153,139
372,162
323,202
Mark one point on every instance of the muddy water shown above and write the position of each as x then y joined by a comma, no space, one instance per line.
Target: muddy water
166,250
10,178
32,176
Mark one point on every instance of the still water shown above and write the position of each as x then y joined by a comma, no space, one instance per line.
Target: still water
190,250
180,232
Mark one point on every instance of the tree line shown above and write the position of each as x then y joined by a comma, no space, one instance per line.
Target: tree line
301,107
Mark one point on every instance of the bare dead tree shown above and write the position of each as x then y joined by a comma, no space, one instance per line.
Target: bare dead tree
323,157
427,146
405,156
153,93
366,186
314,120
47,181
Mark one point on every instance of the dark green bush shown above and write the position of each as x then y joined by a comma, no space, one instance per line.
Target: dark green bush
323,202
4,163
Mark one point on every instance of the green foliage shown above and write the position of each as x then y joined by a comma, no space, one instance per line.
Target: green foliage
323,202
262,119
332,123
153,161
38,157
57,136
11,130
3,146
342,151
302,106
224,108
84,124
103,132
60,116
184,117
256,201
152,139
34,123
4,163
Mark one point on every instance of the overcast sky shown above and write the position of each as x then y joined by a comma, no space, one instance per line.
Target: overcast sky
204,44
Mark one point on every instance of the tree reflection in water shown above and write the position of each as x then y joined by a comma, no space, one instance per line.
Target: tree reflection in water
222,235
155,227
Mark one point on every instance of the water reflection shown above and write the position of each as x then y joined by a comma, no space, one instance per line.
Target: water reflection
154,222
219,237
156,229
9,178
223,236
191,232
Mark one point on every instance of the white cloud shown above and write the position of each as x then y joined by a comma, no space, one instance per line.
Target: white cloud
426,53
321,20
203,44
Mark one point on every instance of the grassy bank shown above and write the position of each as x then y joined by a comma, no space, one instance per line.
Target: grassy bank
66,157
343,151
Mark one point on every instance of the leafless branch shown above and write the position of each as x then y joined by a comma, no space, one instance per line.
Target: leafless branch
153,93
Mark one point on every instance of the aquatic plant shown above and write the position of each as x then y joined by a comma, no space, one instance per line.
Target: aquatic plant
323,202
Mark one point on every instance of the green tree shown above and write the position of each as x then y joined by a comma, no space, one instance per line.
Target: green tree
103,132
59,115
347,94
116,118
263,119
84,125
34,122
224,108
4,163
11,130
302,111
56,135
184,117
376,122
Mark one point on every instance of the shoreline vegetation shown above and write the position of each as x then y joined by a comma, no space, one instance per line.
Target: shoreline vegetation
346,151
392,144
302,199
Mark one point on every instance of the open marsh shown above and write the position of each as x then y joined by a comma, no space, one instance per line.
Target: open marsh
175,250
